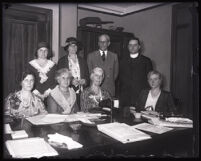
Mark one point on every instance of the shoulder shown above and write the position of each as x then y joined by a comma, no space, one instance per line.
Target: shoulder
112,54
145,58
63,58
86,90
166,93
92,54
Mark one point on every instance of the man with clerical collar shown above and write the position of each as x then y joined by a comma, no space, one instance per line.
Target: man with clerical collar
106,60
133,73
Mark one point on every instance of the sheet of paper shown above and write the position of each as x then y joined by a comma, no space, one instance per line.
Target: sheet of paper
122,132
7,129
152,128
30,147
19,134
71,144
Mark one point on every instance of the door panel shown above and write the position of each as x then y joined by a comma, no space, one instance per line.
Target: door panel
23,28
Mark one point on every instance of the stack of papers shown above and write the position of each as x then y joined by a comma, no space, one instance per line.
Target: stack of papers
58,118
30,148
170,124
7,129
19,134
152,128
122,132
61,139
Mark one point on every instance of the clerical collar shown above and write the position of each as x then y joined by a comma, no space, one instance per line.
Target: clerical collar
101,52
134,55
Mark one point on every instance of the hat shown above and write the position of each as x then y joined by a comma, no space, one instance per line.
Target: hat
92,20
71,40
42,44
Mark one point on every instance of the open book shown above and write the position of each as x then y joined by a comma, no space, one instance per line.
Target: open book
30,148
122,132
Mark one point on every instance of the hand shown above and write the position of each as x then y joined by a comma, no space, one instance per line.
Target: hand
82,81
75,82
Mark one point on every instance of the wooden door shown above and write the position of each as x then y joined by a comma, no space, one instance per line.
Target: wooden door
183,38
23,27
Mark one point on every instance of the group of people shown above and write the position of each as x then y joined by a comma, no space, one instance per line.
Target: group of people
74,84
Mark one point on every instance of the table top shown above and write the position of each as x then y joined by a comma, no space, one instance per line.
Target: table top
97,143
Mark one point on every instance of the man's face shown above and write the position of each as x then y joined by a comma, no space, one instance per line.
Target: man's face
103,43
133,46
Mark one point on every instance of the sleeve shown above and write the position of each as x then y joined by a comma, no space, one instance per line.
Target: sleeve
52,82
60,63
41,107
171,104
149,66
116,67
139,105
86,73
83,104
51,105
7,105
89,63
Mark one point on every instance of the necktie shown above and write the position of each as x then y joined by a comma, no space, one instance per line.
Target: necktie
103,56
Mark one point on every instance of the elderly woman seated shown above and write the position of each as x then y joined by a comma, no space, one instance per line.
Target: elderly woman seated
24,103
92,95
155,99
62,98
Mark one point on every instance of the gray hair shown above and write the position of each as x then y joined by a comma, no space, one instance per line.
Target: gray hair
106,36
96,69
61,71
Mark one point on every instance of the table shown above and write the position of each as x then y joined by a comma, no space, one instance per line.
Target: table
175,143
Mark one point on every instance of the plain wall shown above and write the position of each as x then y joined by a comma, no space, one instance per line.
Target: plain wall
153,27
68,23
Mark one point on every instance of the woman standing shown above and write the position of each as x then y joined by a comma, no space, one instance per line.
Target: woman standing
44,70
76,65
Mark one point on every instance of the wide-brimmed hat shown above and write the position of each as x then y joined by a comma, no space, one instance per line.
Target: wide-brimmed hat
70,41
42,44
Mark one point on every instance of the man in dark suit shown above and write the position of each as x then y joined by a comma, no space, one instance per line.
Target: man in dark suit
133,74
106,60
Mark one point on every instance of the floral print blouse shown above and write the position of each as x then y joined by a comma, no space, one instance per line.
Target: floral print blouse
14,106
89,99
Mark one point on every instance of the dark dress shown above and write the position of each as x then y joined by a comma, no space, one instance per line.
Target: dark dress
164,104
133,78
49,70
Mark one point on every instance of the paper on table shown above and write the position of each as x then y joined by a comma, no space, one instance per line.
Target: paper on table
152,128
122,132
47,119
19,134
71,144
30,147
7,129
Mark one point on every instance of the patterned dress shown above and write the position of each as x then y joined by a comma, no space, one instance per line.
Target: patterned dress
90,100
14,106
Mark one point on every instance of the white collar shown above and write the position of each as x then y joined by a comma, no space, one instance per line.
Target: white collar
101,52
134,55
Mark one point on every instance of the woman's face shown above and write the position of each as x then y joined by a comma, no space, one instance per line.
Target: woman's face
97,78
72,49
154,81
42,53
28,83
64,80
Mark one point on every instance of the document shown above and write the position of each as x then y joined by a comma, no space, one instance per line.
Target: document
7,129
61,139
47,119
19,134
152,128
170,124
30,148
122,132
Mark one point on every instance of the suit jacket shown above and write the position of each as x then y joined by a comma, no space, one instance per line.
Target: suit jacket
164,104
110,67
84,73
